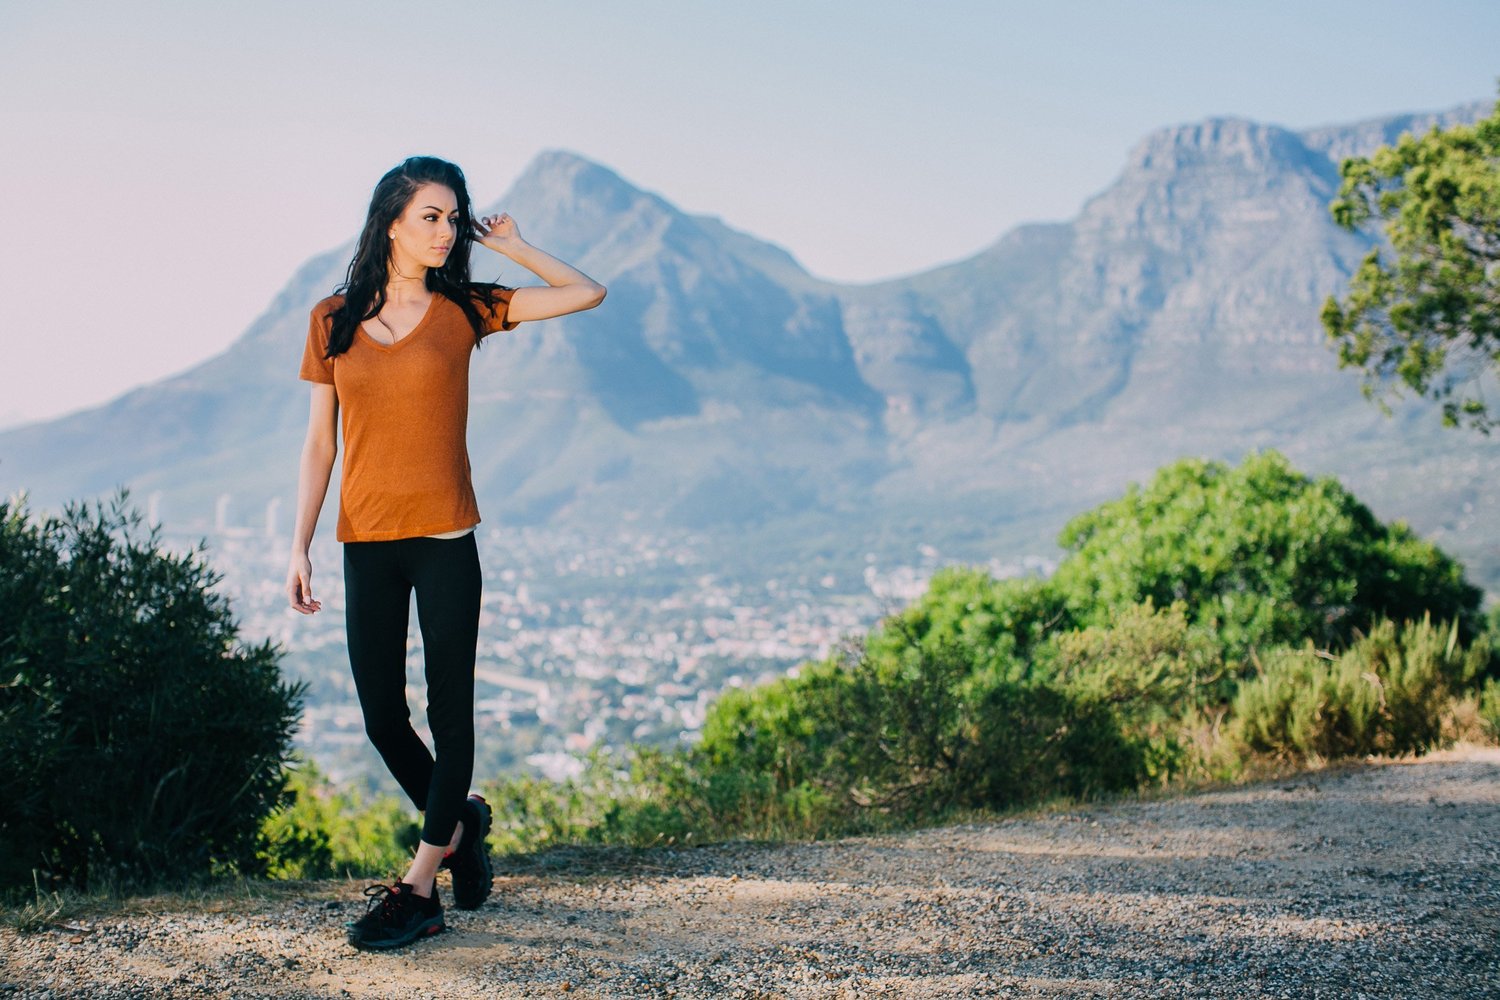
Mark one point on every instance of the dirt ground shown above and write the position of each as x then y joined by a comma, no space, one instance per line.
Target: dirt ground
1370,879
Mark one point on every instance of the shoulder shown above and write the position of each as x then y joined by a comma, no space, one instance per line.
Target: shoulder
320,322
493,302
485,291
326,307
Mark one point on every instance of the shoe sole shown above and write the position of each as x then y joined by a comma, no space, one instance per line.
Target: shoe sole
429,927
486,815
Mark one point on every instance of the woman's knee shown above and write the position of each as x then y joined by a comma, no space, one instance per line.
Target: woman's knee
388,730
453,737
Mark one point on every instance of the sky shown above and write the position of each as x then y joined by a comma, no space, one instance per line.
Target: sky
166,166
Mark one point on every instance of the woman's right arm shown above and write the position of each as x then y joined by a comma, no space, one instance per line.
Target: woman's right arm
318,453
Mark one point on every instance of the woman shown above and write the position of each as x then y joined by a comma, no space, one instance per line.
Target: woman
390,352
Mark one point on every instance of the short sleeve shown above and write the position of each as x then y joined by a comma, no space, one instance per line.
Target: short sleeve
498,316
316,367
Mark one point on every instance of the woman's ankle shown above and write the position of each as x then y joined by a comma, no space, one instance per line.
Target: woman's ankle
458,834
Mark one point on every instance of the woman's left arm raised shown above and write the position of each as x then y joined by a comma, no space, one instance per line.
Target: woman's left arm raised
568,289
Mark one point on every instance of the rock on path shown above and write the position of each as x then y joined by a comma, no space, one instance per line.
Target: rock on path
1372,879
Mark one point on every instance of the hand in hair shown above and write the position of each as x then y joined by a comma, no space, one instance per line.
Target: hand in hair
496,231
569,289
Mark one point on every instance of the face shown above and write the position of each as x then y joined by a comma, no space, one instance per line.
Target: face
425,233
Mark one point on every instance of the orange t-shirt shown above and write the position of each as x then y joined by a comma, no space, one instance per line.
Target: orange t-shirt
405,414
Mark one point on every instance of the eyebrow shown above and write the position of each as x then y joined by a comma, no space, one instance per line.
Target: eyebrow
436,209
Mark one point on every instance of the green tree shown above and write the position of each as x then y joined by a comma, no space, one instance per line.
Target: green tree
1424,311
142,741
1261,553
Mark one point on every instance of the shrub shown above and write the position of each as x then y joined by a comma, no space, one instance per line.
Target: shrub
910,723
533,813
1492,631
1385,694
639,797
1260,553
1156,672
1000,622
906,727
786,731
1039,742
1489,708
1148,661
853,732
1120,669
319,831
142,740
1306,704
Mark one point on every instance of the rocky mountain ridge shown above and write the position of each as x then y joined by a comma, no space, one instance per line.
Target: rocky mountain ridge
976,405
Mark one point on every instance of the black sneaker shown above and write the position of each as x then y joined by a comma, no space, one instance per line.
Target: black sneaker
396,916
470,861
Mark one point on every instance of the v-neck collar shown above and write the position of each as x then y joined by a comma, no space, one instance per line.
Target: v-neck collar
431,305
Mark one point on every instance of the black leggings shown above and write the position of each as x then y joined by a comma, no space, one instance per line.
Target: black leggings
378,581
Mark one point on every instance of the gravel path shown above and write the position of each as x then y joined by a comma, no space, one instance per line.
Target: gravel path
1374,879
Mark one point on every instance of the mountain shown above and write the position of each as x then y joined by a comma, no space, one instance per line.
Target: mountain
721,388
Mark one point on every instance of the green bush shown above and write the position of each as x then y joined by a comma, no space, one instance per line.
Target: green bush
853,743
533,813
1157,673
851,733
1000,622
910,725
675,796
1492,631
321,832
907,727
1306,704
786,731
1260,553
1150,662
637,798
1489,707
142,741
1040,742
1385,694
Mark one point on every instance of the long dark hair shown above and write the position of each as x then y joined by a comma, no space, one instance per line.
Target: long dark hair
364,285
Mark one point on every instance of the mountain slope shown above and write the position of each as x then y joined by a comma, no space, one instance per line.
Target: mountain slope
975,405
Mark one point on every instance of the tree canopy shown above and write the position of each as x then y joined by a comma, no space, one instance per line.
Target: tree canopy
1423,310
